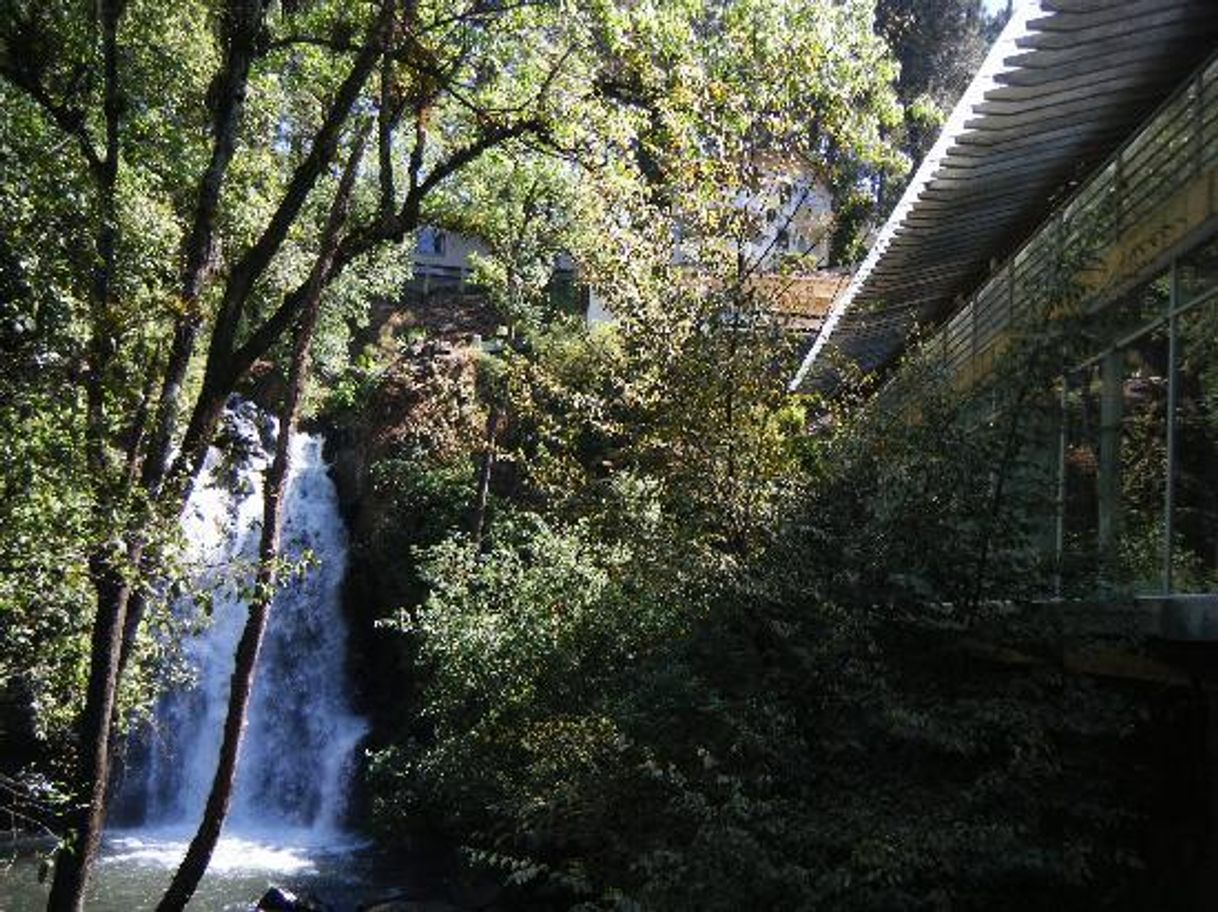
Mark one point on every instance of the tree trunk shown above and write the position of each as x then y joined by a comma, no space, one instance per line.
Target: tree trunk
243,23
226,364
168,483
75,856
74,859
198,855
478,525
118,607
190,872
1012,442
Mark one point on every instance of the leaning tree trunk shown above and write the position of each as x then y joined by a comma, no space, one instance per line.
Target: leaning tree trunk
198,855
190,872
243,21
478,522
74,857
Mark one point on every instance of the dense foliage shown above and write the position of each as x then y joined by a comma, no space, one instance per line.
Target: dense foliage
624,703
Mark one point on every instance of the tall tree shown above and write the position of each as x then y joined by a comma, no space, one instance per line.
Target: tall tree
939,45
198,855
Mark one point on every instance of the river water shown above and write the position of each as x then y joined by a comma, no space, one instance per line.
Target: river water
136,867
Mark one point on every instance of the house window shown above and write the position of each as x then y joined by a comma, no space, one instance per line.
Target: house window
431,242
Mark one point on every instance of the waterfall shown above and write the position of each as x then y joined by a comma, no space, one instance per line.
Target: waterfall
301,734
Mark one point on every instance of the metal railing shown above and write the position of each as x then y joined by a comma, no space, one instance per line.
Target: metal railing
1175,146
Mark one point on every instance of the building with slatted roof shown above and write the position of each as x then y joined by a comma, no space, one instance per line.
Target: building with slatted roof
1085,151
1068,87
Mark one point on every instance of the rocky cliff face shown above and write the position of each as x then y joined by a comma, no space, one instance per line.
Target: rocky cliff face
424,408
405,465
424,405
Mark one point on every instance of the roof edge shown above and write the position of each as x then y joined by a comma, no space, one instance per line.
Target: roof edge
986,79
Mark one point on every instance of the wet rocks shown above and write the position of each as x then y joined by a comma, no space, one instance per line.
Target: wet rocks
277,899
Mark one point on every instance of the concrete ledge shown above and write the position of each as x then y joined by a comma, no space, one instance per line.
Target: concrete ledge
1181,618
1186,618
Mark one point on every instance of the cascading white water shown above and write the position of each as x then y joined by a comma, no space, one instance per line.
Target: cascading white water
301,735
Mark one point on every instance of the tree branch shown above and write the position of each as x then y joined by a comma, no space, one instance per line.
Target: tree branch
188,875
221,370
23,69
359,242
230,84
321,152
389,114
488,140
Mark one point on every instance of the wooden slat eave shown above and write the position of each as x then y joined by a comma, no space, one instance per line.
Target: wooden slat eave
950,199
930,225
912,286
1060,90
1133,53
1103,41
989,238
1150,14
1063,137
1007,115
1068,20
963,176
1149,71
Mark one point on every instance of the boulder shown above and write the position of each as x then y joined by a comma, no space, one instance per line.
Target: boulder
277,899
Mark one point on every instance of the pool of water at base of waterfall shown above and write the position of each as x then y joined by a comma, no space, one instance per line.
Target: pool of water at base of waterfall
136,866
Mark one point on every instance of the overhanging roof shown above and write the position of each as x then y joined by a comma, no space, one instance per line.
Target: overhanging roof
1064,84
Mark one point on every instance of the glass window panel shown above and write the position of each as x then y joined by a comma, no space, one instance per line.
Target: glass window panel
1136,556
1198,271
1116,471
1195,515
1080,510
1131,312
430,241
